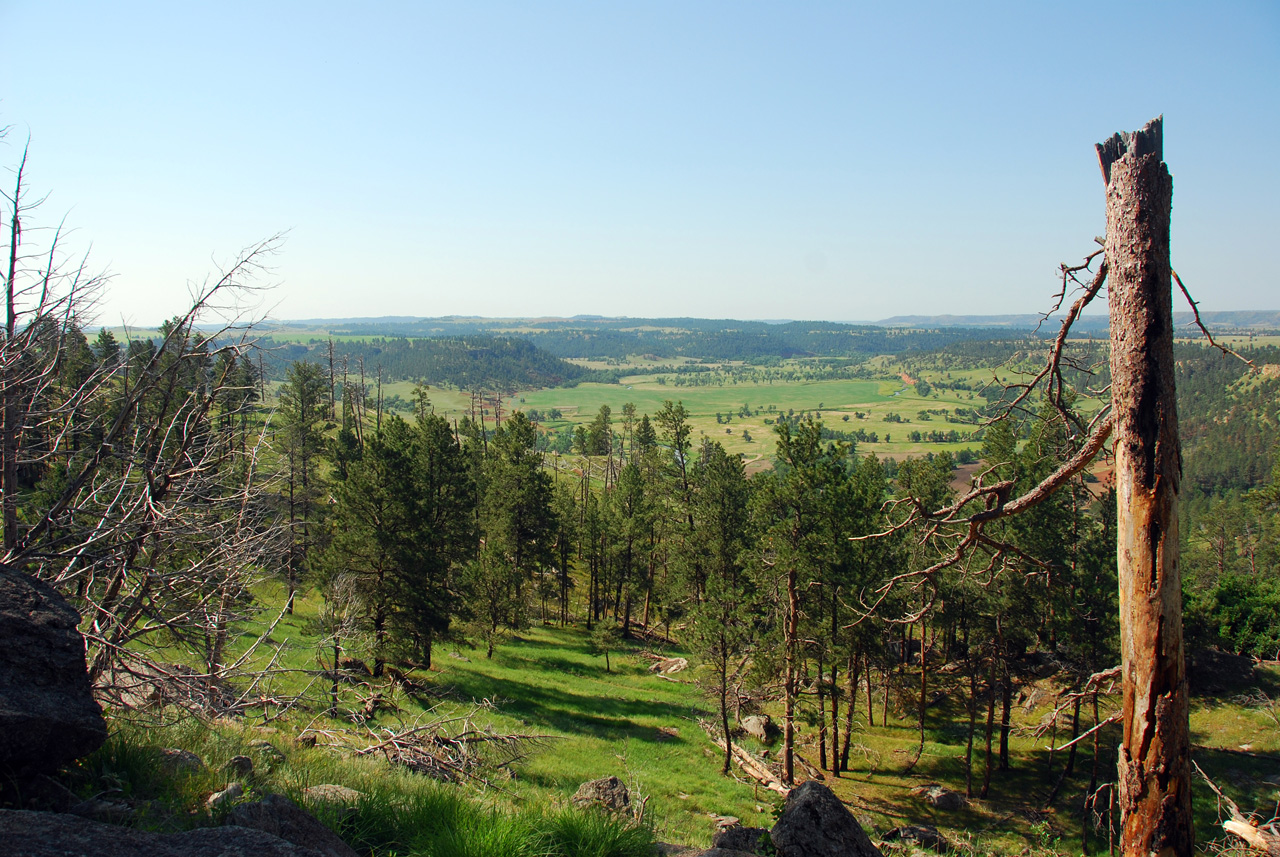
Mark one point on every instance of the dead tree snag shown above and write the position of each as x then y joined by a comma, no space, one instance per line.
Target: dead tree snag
1155,770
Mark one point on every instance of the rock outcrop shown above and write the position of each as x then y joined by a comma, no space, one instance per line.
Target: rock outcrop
279,816
814,823
925,835
175,761
758,726
239,766
48,716
47,834
739,838
608,792
940,797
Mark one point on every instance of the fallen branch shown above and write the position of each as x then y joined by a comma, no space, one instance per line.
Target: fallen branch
1112,718
1264,838
750,765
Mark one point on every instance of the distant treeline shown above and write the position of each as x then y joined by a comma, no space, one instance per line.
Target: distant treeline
465,362
665,338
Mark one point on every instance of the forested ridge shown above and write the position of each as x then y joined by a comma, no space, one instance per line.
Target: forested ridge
667,338
478,361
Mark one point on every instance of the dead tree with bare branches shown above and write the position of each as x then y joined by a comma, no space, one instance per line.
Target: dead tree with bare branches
1139,410
128,480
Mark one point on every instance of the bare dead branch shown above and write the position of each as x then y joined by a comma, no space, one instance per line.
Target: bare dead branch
1195,311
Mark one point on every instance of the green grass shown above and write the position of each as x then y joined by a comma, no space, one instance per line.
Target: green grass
643,729
835,400
594,723
397,813
648,396
606,723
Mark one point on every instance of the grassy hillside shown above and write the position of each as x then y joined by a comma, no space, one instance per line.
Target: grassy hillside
630,723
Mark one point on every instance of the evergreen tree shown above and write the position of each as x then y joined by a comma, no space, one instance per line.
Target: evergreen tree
301,413
428,589
518,527
795,545
723,624
402,521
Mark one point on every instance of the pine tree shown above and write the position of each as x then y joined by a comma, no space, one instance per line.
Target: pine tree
301,412
723,624
518,527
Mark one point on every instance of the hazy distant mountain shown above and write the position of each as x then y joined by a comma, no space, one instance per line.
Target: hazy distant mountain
1254,320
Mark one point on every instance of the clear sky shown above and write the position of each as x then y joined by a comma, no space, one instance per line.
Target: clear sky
840,161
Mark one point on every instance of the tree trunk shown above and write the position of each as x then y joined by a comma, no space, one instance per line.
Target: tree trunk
924,693
1006,706
9,410
991,717
1154,769
854,660
835,717
822,718
871,711
1075,733
724,708
968,748
337,664
789,679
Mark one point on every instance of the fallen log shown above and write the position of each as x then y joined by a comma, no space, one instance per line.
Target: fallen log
1264,838
750,765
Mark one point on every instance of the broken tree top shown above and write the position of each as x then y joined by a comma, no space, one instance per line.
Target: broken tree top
1149,140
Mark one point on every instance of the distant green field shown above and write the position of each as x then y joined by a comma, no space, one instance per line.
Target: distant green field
306,336
1241,340
648,396
875,399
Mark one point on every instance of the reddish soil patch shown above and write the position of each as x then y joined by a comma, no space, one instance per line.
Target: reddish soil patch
759,464
964,473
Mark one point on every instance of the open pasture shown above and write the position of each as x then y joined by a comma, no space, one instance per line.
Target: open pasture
875,400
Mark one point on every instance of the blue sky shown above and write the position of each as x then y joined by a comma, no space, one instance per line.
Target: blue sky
837,161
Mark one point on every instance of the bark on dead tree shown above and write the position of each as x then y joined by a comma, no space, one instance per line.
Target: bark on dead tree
1154,770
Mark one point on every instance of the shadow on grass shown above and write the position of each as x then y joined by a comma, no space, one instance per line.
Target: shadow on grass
571,712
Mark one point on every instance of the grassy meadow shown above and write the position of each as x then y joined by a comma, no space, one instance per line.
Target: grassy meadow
591,722
833,400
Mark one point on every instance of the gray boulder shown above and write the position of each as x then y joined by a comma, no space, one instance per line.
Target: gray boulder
233,792
240,766
739,838
110,811
940,797
175,761
48,716
924,835
757,726
608,792
814,823
279,816
47,834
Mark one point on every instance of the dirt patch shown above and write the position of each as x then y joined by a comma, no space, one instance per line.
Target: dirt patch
963,475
